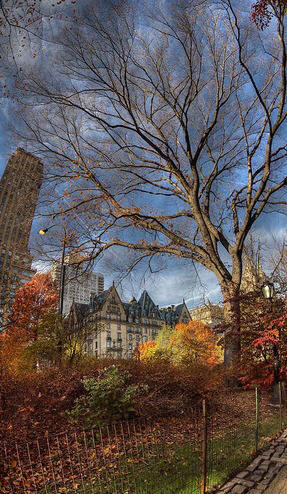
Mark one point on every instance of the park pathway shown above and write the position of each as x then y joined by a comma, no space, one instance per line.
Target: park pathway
266,474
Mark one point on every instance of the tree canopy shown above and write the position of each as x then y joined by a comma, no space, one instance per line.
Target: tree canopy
163,136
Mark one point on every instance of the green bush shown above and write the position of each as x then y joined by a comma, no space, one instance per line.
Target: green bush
108,398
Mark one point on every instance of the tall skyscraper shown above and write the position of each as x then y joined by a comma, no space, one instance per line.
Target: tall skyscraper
19,191
79,285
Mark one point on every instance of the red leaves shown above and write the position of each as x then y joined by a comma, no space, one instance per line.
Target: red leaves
35,299
263,335
262,375
262,14
268,337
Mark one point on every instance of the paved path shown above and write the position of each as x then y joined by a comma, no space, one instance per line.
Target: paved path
279,484
267,473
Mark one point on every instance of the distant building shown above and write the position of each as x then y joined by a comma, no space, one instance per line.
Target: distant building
116,328
19,191
252,279
253,275
79,285
208,314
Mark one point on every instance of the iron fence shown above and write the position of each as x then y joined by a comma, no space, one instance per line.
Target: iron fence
138,456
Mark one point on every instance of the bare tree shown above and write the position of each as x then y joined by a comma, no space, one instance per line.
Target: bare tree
168,134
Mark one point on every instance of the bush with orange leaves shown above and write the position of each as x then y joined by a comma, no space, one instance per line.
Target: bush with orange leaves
192,343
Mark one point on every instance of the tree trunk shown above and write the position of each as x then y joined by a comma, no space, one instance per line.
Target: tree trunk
232,348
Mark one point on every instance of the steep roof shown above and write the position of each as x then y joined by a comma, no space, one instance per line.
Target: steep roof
145,307
146,303
81,309
98,301
178,309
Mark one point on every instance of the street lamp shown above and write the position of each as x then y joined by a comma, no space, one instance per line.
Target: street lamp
63,268
62,284
268,293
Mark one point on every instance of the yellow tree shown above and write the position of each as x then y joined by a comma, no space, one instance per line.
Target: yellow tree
194,342
188,343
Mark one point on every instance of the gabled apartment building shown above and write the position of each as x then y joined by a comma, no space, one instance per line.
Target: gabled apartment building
115,328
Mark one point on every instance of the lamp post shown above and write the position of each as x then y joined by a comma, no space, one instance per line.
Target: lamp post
62,272
268,293
61,287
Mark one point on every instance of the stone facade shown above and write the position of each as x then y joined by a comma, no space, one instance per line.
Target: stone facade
116,328
253,276
19,191
208,314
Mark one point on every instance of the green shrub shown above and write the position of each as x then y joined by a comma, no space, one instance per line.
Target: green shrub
107,399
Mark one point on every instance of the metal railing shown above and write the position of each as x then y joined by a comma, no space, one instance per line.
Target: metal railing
138,456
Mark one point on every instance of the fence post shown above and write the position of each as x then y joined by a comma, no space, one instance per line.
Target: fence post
204,448
280,404
256,418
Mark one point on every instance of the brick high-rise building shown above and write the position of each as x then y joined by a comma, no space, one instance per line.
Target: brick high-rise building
19,191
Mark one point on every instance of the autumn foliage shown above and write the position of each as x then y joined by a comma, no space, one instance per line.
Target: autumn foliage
145,349
195,342
263,333
34,301
263,11
192,343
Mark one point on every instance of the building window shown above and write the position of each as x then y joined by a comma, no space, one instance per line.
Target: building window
130,336
108,344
